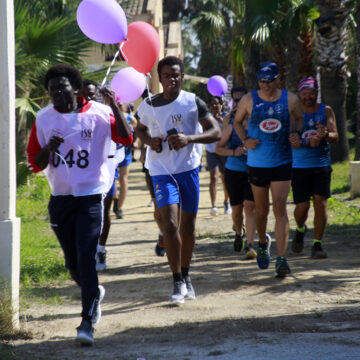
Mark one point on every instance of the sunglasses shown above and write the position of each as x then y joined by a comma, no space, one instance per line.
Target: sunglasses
266,81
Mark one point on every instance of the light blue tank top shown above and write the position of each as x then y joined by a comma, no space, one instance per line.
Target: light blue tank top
309,157
270,123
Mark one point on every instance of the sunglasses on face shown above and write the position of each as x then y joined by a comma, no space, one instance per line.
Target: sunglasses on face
266,81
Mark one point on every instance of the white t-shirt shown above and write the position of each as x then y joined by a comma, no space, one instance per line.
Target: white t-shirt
181,114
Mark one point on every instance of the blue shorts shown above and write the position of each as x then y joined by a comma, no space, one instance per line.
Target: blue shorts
128,157
111,192
184,191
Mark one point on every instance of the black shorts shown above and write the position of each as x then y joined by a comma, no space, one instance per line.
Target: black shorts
238,187
264,176
306,182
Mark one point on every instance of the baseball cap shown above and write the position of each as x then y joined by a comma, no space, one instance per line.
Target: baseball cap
268,71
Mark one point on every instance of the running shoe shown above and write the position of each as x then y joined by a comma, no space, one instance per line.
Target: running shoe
250,252
214,211
160,247
85,333
281,267
297,244
227,208
179,292
151,203
317,251
119,214
263,254
190,290
100,260
238,242
97,312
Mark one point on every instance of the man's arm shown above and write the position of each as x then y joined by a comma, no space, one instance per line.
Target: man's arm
296,116
329,133
122,126
243,113
42,158
210,134
143,133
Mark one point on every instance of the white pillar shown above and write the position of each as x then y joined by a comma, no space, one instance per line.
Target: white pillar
9,223
354,169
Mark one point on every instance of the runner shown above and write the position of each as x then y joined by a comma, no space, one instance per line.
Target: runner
70,140
312,167
273,117
170,122
216,163
238,186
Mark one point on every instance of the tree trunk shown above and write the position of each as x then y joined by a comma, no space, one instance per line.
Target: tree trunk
333,93
292,61
252,63
357,139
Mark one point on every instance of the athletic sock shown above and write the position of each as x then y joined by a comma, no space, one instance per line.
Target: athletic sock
316,241
301,229
177,277
184,271
100,248
161,234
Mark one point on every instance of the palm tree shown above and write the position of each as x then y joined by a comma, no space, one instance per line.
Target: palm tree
332,36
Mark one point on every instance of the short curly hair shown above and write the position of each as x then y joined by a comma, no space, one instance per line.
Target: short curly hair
64,70
170,60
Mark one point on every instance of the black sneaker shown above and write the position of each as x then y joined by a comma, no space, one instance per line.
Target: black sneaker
282,268
297,244
317,251
238,242
100,258
85,333
119,214
115,206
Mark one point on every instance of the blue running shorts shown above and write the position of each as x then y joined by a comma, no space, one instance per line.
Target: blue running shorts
182,188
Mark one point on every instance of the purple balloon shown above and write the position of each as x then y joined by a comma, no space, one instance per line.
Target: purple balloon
103,21
217,85
128,84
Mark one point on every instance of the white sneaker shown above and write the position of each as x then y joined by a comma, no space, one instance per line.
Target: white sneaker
151,203
214,211
227,208
190,290
97,312
100,258
179,292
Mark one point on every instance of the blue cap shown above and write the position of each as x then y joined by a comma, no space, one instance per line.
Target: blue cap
268,71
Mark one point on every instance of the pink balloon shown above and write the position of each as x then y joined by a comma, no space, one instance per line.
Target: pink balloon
128,84
217,85
103,21
141,49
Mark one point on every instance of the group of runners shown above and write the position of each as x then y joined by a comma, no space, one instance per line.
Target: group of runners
269,139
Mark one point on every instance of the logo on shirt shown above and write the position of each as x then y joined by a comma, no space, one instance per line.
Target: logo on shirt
176,118
309,134
270,125
271,111
279,108
258,105
311,122
86,134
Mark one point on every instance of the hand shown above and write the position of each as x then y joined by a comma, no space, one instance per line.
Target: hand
322,130
295,140
251,143
240,150
177,141
155,143
315,140
54,143
108,95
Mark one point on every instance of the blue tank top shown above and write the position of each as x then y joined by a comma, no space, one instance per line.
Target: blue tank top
309,157
270,123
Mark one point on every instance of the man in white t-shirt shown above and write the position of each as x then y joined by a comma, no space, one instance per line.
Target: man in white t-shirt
70,140
171,124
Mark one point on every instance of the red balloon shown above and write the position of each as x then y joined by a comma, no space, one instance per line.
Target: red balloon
141,49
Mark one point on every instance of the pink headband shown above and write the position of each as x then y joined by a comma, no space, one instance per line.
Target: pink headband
308,83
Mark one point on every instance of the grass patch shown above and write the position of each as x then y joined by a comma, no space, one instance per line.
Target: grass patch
6,313
41,257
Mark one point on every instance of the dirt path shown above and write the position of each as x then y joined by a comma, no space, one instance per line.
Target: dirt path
240,312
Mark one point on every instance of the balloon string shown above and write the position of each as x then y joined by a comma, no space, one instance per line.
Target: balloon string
108,70
122,53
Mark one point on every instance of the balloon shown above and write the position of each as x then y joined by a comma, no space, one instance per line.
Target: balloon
141,49
103,21
128,84
217,85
